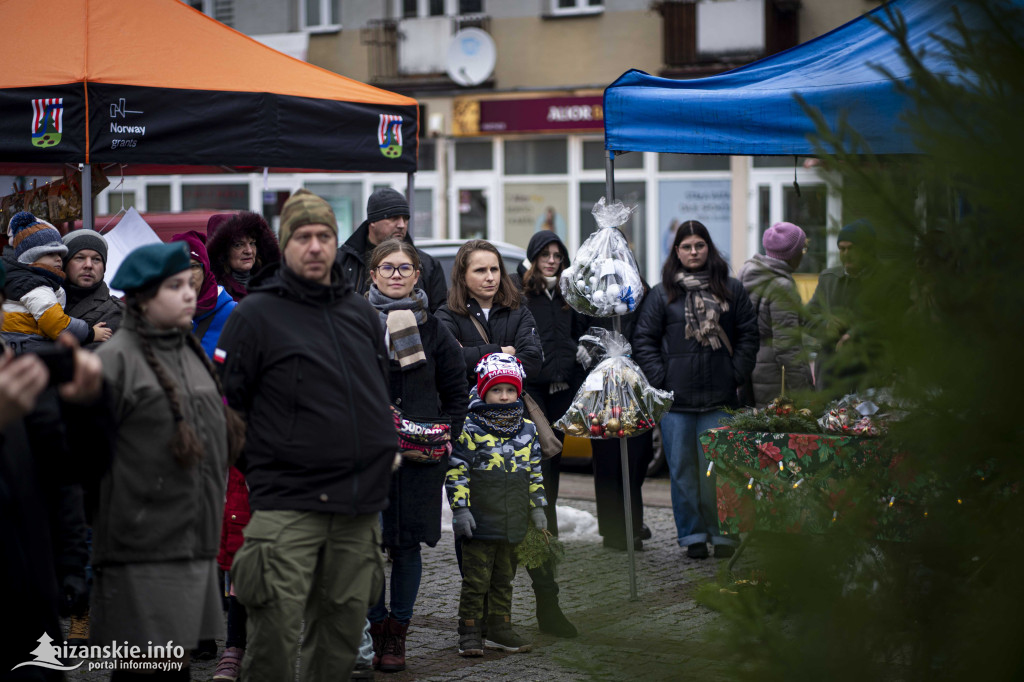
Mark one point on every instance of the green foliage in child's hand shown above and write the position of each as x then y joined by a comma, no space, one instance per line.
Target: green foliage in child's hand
539,547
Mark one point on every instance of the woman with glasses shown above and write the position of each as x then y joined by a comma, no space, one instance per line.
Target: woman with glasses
240,247
777,306
427,380
696,336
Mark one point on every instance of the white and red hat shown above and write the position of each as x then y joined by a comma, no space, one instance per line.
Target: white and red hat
499,368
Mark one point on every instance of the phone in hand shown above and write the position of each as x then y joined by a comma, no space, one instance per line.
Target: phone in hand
60,361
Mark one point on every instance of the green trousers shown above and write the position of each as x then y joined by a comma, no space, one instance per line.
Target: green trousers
295,565
488,567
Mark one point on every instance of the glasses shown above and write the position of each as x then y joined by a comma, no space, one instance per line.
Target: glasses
404,270
698,247
556,256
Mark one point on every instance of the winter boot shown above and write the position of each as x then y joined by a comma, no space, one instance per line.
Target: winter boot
698,550
502,637
230,665
550,618
78,631
379,633
392,656
470,642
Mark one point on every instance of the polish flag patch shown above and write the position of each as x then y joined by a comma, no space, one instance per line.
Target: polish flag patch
220,355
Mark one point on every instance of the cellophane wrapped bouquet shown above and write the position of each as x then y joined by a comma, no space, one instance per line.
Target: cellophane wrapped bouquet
616,400
603,279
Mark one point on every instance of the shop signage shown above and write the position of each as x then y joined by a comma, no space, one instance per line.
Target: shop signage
542,115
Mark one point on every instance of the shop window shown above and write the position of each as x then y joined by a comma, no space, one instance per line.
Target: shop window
474,155
691,162
346,198
809,211
594,156
228,197
531,207
158,198
704,200
423,221
427,159
630,193
536,157
472,214
779,161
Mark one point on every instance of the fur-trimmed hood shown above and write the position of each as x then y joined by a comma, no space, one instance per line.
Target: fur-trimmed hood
219,247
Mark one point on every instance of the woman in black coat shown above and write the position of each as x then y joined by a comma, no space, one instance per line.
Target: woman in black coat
697,336
427,380
486,315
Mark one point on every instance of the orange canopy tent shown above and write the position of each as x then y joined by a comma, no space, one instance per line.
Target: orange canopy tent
156,83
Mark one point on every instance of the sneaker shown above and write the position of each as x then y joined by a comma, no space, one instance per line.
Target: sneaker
724,551
502,637
78,632
470,641
698,550
230,665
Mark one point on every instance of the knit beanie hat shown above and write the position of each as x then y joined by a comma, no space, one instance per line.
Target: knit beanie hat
85,239
859,232
305,208
783,241
499,368
32,238
151,263
386,203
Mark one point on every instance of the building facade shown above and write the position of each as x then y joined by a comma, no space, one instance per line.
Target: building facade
511,117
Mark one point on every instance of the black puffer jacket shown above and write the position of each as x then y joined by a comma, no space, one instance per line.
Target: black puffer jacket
702,378
351,257
94,305
306,364
432,390
505,327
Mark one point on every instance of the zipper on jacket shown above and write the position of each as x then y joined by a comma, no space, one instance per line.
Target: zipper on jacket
352,415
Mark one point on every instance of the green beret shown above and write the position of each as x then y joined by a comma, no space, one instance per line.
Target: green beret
150,263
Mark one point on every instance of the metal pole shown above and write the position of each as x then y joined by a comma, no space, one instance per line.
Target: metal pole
87,217
410,195
627,502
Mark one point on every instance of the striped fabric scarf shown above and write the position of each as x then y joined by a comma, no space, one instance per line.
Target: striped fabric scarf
401,318
703,310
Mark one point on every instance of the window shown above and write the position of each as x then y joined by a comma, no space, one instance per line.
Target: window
594,156
221,10
158,198
346,198
320,15
536,157
470,156
231,197
563,7
412,9
635,230
691,162
427,160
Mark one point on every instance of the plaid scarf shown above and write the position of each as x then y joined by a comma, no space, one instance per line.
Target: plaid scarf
401,318
703,310
504,421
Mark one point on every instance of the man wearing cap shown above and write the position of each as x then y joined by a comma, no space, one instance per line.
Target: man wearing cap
769,280
89,297
303,357
387,217
835,309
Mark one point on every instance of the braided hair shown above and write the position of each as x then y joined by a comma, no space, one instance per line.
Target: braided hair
185,443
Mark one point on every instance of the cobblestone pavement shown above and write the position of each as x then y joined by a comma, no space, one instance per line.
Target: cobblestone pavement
656,637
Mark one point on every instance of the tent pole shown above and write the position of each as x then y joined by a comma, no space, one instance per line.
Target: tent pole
410,195
609,176
87,218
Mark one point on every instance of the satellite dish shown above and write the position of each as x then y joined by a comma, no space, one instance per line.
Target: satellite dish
471,57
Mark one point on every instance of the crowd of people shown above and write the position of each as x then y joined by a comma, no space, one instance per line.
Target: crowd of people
223,438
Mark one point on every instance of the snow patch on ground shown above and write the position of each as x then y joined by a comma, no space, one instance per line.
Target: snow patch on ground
573,524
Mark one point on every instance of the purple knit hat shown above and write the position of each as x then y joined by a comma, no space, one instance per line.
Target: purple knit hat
783,241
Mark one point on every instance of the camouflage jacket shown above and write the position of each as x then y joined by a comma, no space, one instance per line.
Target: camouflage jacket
499,479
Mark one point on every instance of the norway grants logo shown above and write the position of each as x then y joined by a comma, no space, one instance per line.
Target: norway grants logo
389,135
47,121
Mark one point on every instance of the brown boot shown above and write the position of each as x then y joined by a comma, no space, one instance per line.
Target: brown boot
378,633
392,657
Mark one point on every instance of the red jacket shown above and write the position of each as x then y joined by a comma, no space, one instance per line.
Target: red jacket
236,516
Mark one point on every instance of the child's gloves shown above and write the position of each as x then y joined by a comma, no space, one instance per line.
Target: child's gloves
463,523
539,518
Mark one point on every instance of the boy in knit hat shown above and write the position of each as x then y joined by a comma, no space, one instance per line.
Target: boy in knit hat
34,312
495,488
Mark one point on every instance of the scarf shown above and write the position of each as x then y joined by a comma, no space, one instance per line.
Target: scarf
503,421
703,310
242,277
77,294
550,283
401,318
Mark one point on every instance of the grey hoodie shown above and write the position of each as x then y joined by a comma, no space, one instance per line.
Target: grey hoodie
774,296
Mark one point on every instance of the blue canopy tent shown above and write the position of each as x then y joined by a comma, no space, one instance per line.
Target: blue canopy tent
752,110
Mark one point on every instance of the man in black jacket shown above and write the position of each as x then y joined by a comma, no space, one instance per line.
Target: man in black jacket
302,356
387,217
89,298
